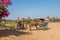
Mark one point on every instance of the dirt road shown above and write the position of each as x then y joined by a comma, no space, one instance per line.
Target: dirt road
51,34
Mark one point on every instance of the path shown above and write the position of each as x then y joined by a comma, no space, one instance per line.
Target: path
52,34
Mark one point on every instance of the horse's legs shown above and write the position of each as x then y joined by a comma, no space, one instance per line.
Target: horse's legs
36,27
26,25
22,26
30,27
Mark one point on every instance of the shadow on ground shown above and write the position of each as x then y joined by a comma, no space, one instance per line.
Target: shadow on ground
45,29
9,32
40,29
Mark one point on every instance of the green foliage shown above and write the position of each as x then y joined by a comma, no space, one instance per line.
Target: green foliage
54,20
23,20
36,20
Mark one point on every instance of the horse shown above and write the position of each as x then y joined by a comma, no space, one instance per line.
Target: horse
32,24
42,24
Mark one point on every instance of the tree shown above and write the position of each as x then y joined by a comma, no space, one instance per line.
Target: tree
36,20
3,10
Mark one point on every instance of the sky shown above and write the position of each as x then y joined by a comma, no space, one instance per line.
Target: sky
34,8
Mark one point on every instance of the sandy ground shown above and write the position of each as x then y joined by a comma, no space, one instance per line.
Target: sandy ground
53,33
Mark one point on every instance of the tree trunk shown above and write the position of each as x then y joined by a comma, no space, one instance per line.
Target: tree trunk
0,20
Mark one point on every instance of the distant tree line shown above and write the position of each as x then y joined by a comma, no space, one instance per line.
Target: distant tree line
53,19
